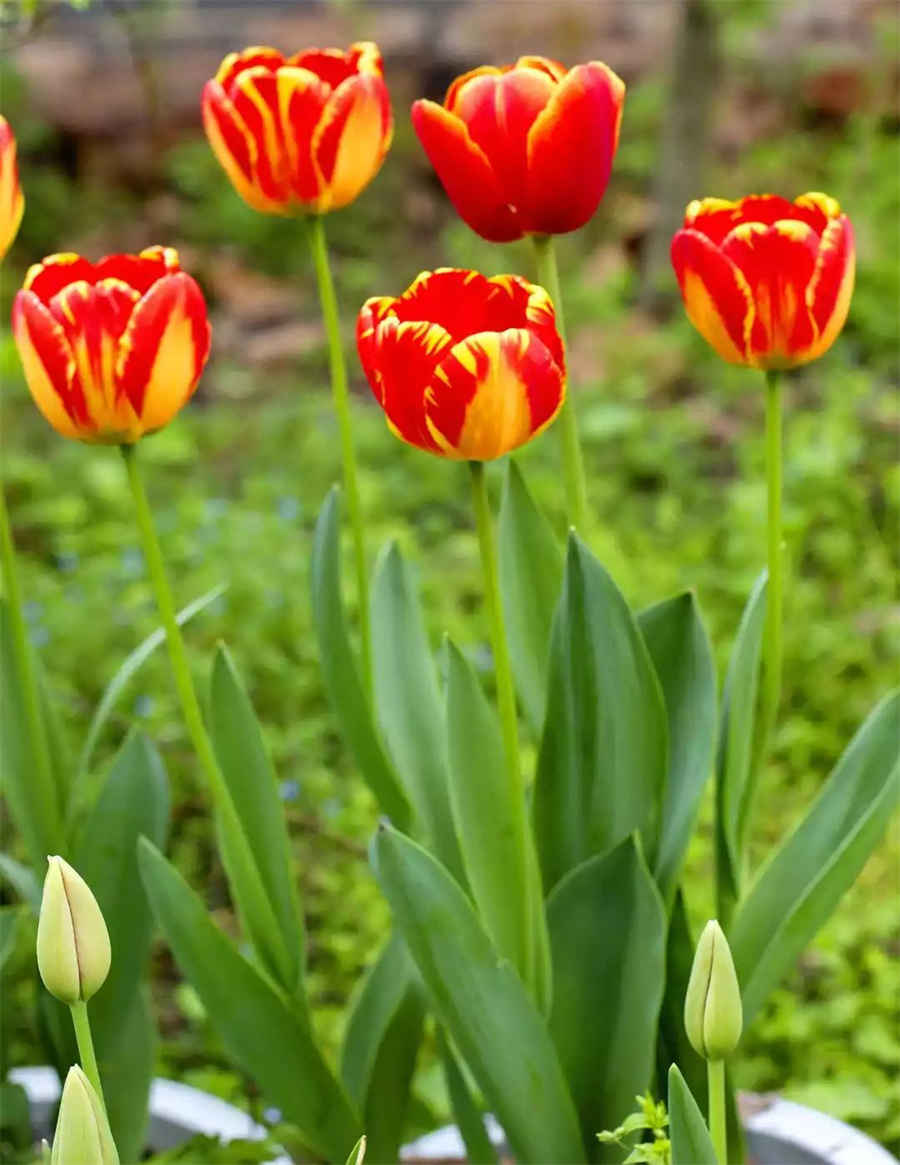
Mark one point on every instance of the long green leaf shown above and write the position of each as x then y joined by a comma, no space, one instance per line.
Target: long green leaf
602,764
681,653
481,1001
410,710
673,1046
251,780
381,1043
126,672
531,572
22,879
339,670
134,800
608,938
735,760
803,880
260,1029
691,1144
466,1113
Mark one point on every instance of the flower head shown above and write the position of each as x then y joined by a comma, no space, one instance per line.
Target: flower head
524,149
82,1134
111,350
464,366
12,201
303,133
713,1016
765,281
73,952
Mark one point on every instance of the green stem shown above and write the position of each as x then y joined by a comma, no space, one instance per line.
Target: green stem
342,409
82,1026
506,702
715,1076
42,786
252,901
775,589
573,464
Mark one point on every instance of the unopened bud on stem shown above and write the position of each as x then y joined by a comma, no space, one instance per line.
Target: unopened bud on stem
713,1017
72,940
82,1134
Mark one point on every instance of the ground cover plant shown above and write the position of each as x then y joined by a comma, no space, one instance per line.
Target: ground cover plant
635,458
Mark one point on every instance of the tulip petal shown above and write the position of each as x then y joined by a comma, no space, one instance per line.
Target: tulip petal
12,201
571,147
831,287
491,393
138,271
332,66
301,101
254,95
456,86
45,279
777,262
163,350
498,111
465,173
48,365
716,295
234,147
554,70
352,138
257,56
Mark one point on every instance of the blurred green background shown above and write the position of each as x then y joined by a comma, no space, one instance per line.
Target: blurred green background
734,98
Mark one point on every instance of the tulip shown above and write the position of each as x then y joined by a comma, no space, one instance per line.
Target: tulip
12,201
524,149
765,281
82,1134
73,951
464,366
111,350
305,133
713,1016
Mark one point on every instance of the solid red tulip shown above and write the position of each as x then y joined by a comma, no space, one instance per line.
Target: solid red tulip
305,133
12,202
525,149
464,366
111,350
765,281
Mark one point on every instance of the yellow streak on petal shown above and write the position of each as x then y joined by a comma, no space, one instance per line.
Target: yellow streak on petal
40,385
838,317
829,206
171,378
499,415
64,258
360,151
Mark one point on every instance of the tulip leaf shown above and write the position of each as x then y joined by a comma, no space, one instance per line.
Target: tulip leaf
531,572
802,881
133,800
84,791
36,814
339,670
22,879
251,780
673,1046
481,1001
608,938
261,1028
358,1152
410,710
603,756
679,647
381,1044
691,1143
736,760
10,920
467,1115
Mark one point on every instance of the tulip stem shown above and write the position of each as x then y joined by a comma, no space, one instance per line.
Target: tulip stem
775,595
715,1077
573,463
341,400
506,701
253,903
85,1042
44,792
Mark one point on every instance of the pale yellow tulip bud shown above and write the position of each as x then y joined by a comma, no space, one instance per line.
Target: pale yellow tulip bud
72,940
713,1017
82,1134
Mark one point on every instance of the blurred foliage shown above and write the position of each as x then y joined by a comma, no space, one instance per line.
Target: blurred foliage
673,446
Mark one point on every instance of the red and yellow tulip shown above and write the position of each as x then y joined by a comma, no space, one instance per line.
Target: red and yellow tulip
111,350
305,133
464,366
525,149
765,281
12,202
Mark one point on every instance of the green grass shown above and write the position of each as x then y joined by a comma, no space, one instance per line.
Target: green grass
673,445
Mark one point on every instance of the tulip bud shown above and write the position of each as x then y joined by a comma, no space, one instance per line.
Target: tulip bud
713,1017
82,1134
72,940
